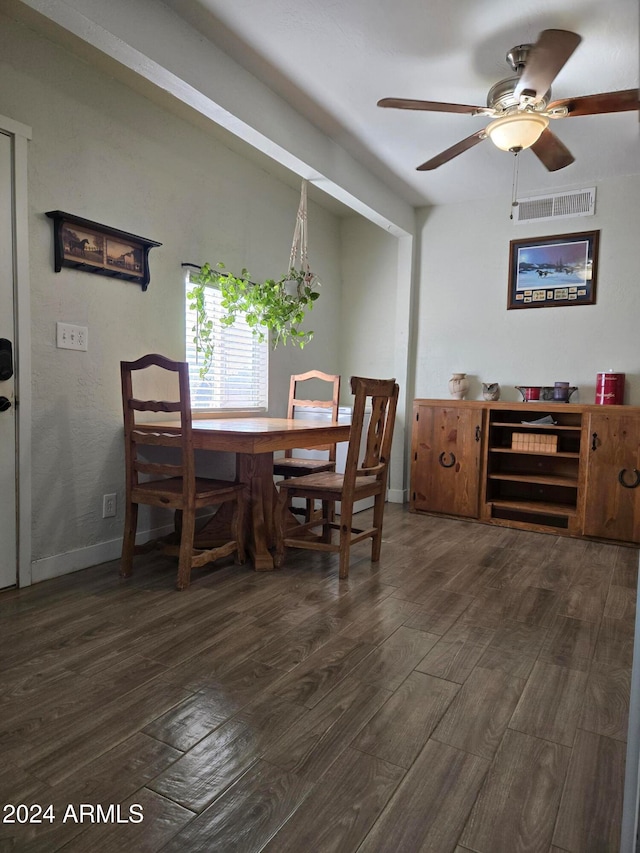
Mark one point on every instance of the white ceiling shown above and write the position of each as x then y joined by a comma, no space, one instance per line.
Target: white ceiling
332,60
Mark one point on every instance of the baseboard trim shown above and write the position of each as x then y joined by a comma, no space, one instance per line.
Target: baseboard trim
84,558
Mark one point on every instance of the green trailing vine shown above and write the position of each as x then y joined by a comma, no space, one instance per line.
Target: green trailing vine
278,305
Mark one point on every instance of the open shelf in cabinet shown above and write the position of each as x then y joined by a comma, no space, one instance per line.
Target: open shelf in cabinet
570,482
557,454
526,514
543,427
533,487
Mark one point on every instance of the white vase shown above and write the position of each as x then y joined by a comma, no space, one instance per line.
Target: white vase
458,386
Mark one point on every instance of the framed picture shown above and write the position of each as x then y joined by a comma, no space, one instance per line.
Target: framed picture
95,248
552,271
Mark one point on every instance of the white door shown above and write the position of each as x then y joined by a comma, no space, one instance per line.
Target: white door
8,488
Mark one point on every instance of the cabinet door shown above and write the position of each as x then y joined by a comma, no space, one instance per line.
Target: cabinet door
446,459
612,498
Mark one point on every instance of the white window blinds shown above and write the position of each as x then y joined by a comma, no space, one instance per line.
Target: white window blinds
238,376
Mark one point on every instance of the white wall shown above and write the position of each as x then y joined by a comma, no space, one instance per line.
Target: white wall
105,153
368,308
376,297
463,323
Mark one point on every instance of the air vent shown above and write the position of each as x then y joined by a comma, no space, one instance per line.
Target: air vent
561,206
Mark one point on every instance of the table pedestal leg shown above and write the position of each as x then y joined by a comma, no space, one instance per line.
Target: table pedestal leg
256,471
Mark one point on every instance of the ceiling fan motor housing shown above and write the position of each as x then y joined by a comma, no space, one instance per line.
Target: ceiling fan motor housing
501,96
517,57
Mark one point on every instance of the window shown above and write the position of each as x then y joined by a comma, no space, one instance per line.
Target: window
238,376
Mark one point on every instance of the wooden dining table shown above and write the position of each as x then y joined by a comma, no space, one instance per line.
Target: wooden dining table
254,441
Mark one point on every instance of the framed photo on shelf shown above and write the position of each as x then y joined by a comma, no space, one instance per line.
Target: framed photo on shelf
89,246
553,271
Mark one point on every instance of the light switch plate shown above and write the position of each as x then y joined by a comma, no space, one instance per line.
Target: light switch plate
69,336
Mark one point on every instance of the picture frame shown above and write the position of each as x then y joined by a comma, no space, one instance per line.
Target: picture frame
89,246
553,271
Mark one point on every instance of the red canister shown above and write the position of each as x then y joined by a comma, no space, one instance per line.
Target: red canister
610,389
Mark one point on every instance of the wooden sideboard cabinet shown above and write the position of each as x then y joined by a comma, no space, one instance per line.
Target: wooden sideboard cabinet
446,458
577,476
612,507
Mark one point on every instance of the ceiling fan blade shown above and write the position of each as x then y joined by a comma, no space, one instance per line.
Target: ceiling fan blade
452,152
551,152
606,102
545,59
433,106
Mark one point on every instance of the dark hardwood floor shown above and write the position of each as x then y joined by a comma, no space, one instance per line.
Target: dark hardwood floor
468,693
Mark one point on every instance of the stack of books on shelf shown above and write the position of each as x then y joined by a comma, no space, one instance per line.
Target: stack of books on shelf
533,442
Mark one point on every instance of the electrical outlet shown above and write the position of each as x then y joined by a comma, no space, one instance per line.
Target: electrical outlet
108,506
69,336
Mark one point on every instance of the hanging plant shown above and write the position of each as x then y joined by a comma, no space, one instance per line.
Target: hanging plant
203,328
279,305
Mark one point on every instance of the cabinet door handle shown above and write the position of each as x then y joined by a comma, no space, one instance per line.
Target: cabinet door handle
594,443
629,485
478,433
447,464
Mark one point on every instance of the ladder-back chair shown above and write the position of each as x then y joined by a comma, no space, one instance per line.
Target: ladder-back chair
291,465
361,479
172,485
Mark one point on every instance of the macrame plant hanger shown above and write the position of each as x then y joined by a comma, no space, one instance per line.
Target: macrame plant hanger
299,245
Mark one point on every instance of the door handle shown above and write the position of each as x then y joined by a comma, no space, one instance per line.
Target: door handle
5,404
6,360
635,484
444,464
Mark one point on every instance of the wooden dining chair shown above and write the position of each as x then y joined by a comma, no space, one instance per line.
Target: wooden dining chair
363,477
173,485
291,465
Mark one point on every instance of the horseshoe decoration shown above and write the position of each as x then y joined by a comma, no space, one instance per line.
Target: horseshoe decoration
449,464
629,485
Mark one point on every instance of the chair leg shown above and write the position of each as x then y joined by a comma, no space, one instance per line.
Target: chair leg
279,516
309,510
238,529
186,548
378,514
331,512
129,539
346,519
328,515
176,536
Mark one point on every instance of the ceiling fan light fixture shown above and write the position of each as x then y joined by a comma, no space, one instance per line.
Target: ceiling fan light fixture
517,131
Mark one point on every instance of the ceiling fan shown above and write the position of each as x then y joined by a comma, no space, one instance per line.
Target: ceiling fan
521,106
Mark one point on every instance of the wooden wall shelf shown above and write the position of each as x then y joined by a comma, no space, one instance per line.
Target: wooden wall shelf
91,247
